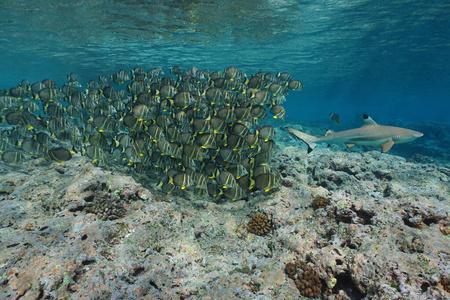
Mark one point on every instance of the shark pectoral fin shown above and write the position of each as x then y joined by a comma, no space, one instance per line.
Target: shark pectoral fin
350,145
386,146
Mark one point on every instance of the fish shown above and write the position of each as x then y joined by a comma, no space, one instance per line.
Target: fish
235,193
54,109
193,152
278,112
295,85
236,142
246,182
168,187
182,180
155,72
167,92
96,153
213,189
268,181
226,179
218,125
229,155
72,77
255,82
276,89
214,95
266,133
59,154
238,171
47,94
243,114
285,76
261,170
267,146
183,99
23,118
262,158
12,156
239,129
18,92
258,112
50,83
133,123
370,134
225,113
200,125
120,77
335,117
42,138
206,140
262,97
33,147
137,71
7,102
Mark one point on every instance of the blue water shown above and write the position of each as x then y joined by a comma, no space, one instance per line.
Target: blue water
389,59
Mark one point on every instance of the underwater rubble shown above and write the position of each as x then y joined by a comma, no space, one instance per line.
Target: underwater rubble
380,231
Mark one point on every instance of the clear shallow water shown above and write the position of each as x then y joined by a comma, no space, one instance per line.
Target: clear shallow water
389,59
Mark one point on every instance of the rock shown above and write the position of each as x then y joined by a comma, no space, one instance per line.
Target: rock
382,236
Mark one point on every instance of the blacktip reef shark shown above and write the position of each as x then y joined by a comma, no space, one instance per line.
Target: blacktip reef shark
370,134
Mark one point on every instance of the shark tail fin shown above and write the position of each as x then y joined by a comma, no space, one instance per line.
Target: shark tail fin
308,139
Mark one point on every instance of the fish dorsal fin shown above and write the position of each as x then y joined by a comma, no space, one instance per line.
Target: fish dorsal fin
329,132
368,121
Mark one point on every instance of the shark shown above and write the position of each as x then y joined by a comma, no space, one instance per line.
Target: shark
370,134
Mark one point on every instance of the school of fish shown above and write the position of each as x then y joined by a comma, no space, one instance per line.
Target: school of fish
194,130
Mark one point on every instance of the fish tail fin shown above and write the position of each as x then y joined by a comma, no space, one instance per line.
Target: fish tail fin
308,139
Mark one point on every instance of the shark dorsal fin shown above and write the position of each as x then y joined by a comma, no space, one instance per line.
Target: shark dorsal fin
328,132
368,121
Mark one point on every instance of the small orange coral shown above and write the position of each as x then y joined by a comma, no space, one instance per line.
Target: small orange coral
291,270
259,224
306,279
320,202
446,284
445,230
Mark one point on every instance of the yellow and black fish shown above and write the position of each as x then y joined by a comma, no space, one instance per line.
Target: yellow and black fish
235,193
200,125
182,180
226,179
266,133
268,181
295,85
278,112
13,156
335,118
59,154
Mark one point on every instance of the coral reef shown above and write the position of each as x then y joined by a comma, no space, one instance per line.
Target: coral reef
305,278
381,237
446,284
320,202
259,224
102,202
